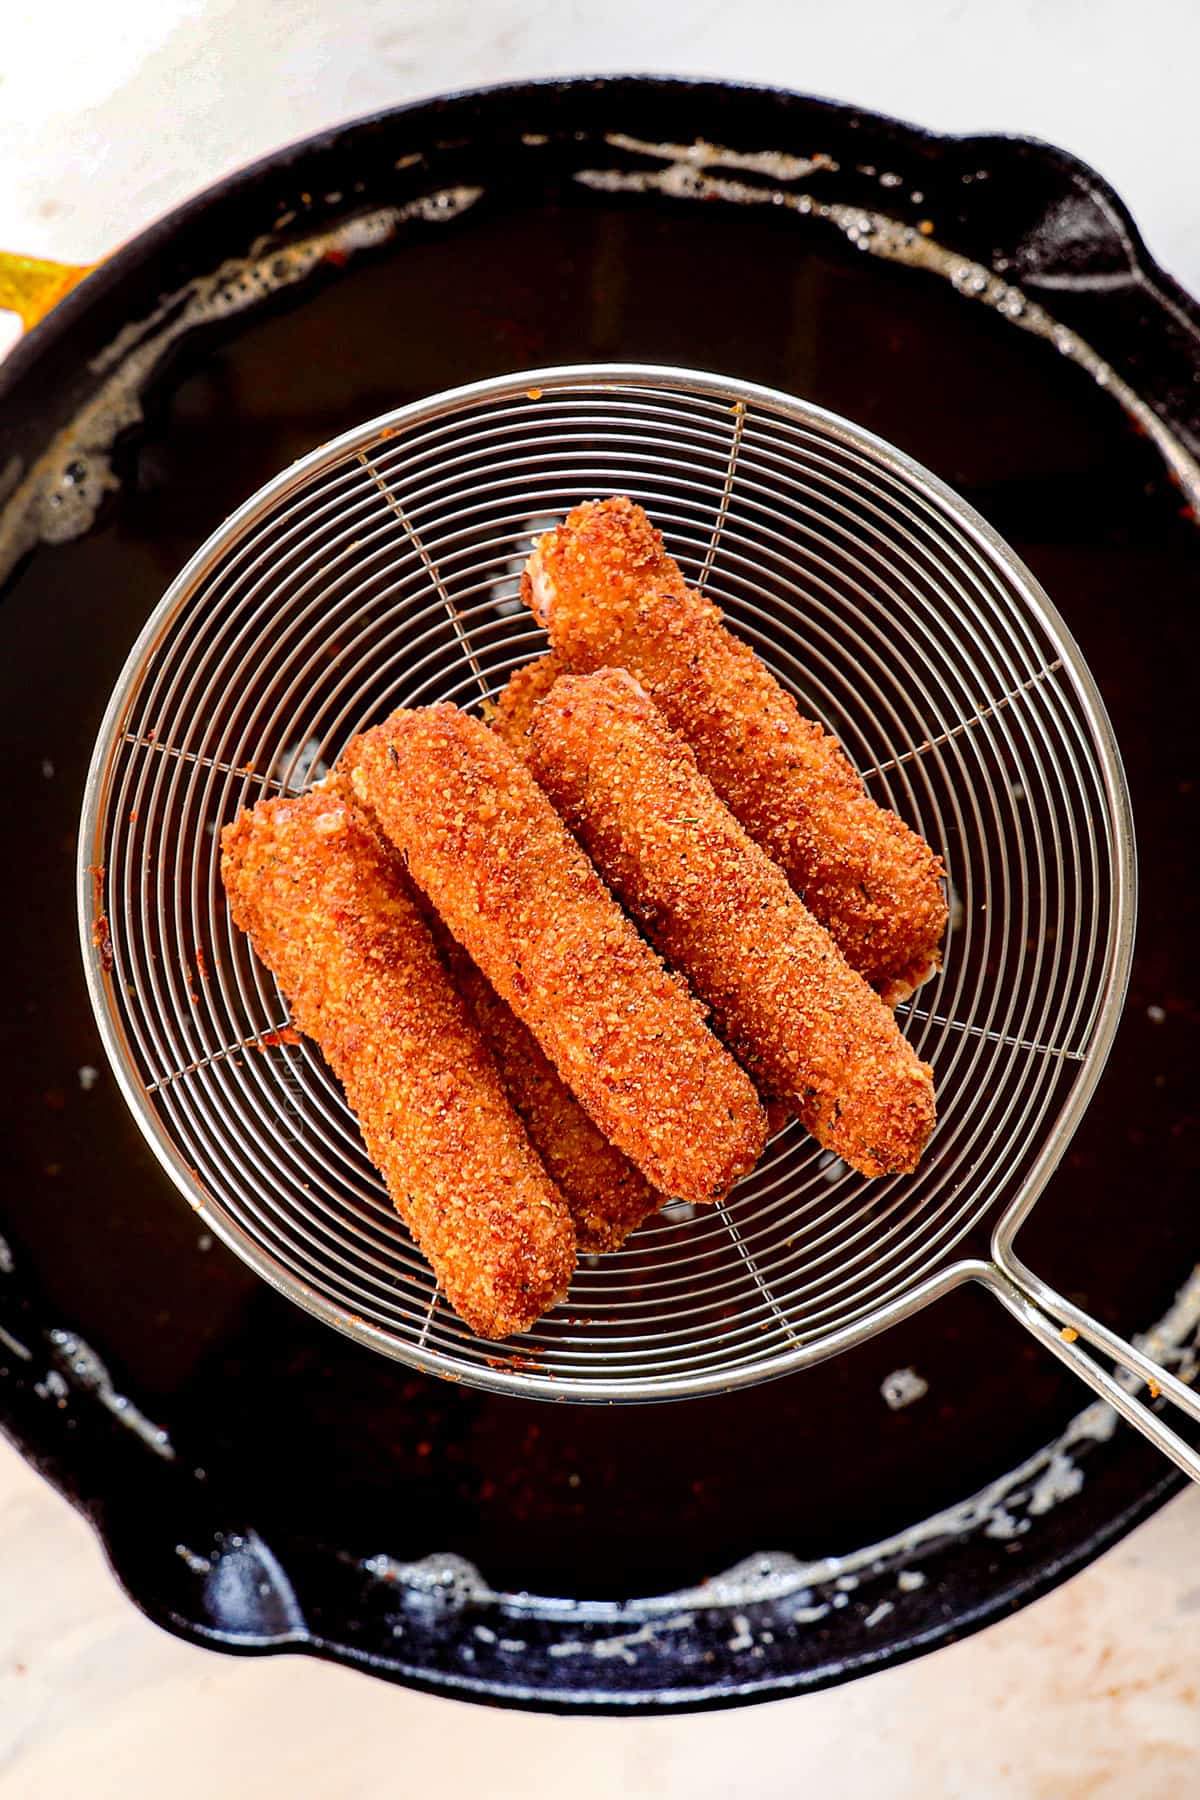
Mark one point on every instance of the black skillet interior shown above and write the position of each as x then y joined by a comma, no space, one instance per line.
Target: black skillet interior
296,1464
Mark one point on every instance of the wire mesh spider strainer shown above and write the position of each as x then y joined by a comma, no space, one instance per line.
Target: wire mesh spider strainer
383,570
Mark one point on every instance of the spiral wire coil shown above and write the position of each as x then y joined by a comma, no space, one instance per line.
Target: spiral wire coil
383,571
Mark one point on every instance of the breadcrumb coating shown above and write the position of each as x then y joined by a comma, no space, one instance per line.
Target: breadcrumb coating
520,696
605,588
778,1113
487,847
325,904
607,1196
799,1018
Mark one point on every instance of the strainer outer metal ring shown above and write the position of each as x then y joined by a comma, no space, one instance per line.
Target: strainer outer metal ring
383,570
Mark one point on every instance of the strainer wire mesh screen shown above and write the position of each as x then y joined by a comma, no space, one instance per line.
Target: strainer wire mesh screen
384,571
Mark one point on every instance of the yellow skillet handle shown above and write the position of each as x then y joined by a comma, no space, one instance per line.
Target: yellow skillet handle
30,286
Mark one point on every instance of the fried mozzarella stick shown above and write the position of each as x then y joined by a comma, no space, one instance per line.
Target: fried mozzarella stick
798,1017
487,847
605,588
608,1198
325,905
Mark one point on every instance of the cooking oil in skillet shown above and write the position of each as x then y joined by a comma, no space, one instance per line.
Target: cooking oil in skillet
322,1435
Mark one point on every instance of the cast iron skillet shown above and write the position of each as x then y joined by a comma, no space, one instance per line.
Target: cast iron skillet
259,1482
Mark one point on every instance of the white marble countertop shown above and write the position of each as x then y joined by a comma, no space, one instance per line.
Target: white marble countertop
103,128
1094,1692
109,116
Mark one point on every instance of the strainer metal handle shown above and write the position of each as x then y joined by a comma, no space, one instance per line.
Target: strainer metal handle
1066,1330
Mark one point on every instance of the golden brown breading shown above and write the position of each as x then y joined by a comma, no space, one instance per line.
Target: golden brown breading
605,588
778,1113
318,890
797,1015
487,847
607,1196
520,696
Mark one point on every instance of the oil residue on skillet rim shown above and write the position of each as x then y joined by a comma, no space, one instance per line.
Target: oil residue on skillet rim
339,1444
685,174
750,1610
60,497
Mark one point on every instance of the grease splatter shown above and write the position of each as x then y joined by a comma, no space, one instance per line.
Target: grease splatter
84,1368
61,494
